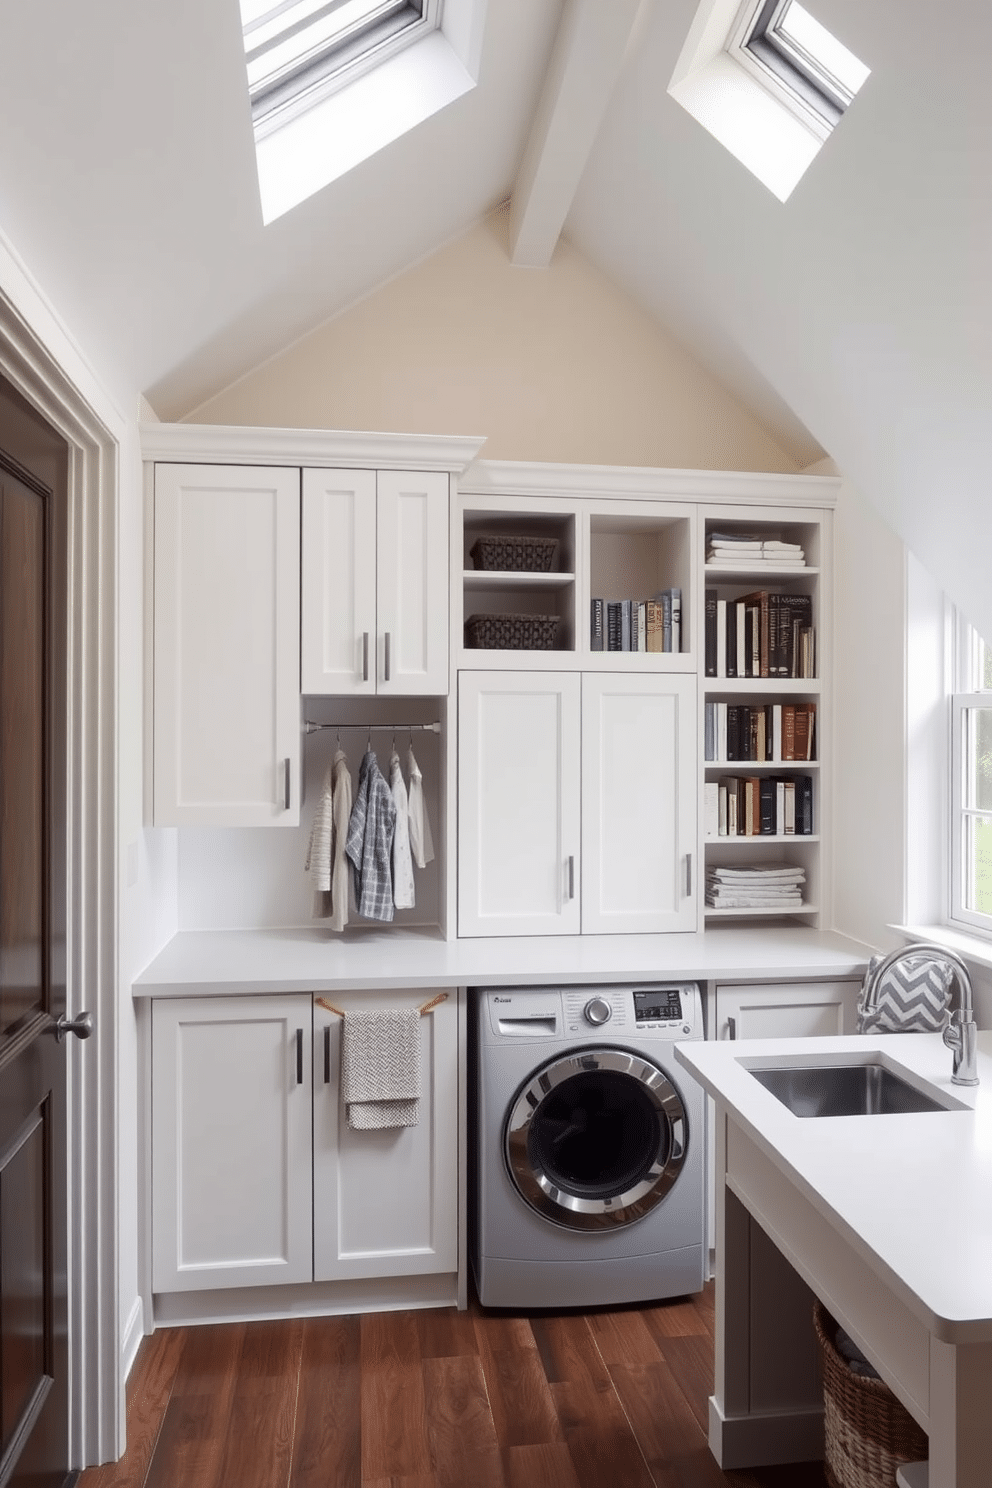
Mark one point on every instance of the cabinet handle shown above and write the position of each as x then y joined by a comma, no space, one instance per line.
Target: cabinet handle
327,1054
288,790
688,875
365,656
732,1028
387,659
299,1056
571,877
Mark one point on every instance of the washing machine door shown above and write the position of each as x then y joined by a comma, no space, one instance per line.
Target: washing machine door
596,1138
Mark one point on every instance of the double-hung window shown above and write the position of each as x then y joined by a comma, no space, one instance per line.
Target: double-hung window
971,780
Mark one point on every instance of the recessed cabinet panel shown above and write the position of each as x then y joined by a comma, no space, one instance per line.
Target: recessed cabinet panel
787,1010
232,1145
226,719
385,1202
638,797
412,550
518,819
375,582
339,581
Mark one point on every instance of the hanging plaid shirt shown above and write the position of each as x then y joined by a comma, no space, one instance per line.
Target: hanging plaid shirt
370,842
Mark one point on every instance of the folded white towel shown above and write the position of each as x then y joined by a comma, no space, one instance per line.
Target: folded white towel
380,1068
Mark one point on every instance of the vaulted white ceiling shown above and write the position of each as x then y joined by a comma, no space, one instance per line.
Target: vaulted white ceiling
853,318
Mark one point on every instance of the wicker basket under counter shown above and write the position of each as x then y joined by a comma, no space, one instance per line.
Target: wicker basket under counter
868,1433
511,632
506,553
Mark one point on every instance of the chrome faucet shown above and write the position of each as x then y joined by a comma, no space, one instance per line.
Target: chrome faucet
961,1032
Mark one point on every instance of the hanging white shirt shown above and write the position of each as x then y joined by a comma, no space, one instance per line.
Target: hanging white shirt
403,891
421,842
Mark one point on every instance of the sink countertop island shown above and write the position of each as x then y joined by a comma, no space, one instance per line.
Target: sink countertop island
887,1218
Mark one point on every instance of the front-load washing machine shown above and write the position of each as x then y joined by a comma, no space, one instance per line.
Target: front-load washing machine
588,1145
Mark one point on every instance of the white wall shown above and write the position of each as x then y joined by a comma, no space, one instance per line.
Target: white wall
869,737
549,364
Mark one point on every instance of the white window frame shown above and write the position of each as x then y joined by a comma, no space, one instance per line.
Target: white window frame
795,78
307,79
965,671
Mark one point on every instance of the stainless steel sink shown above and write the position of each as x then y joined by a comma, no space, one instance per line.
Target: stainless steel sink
868,1089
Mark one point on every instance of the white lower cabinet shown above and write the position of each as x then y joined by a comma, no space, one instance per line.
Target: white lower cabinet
786,1009
231,1142
576,803
385,1202
256,1176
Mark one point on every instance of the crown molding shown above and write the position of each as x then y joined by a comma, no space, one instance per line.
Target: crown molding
242,445
630,482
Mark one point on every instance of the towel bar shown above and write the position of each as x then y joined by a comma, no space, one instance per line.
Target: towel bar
426,1007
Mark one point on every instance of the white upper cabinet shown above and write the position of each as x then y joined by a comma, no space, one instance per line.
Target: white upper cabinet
518,803
576,803
638,803
226,659
375,582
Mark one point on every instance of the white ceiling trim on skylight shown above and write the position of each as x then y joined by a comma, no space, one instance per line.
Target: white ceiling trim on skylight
772,105
304,145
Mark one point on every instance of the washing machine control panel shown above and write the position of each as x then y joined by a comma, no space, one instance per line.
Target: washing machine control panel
657,1007
668,1011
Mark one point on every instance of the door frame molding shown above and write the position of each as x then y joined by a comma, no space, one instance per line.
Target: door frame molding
40,359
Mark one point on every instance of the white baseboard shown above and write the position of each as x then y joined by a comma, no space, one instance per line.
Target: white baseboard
134,1332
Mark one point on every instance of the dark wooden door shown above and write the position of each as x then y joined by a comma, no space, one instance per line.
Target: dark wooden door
33,1197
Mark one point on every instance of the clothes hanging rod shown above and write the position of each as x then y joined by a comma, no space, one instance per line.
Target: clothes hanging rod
365,728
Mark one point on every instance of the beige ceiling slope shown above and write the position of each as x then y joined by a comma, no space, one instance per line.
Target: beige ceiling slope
588,56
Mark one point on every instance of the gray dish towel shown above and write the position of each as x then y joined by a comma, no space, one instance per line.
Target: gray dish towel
380,1068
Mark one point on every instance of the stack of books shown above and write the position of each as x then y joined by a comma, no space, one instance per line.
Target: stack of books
764,634
637,624
744,550
758,806
778,886
765,732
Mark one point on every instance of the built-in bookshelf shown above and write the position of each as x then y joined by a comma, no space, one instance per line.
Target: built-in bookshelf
762,713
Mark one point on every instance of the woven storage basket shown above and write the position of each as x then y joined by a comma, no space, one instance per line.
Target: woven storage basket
511,632
514,554
867,1432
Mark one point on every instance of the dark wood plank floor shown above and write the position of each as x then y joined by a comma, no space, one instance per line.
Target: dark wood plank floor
436,1399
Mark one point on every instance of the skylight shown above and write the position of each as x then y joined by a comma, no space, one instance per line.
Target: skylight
297,51
797,57
768,81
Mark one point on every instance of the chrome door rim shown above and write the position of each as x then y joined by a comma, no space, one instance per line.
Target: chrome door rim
545,1194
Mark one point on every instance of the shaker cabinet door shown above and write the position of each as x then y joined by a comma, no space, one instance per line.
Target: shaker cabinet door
518,803
231,1142
638,803
227,646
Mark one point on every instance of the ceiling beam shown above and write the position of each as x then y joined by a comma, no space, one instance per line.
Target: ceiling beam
589,49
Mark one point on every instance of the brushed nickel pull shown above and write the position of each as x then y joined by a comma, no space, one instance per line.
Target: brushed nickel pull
732,1028
387,657
288,788
365,656
571,877
299,1056
688,875
327,1054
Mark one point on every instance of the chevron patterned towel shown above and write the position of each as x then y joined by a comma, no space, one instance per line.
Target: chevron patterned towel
380,1068
912,997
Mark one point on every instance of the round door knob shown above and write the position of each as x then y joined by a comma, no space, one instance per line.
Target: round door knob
597,1010
82,1026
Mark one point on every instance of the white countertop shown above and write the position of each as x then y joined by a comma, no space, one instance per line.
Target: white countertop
217,962
911,1193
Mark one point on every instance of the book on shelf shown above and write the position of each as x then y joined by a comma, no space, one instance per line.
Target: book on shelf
711,808
676,619
665,598
655,633
596,622
721,637
709,647
795,649
614,625
641,610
